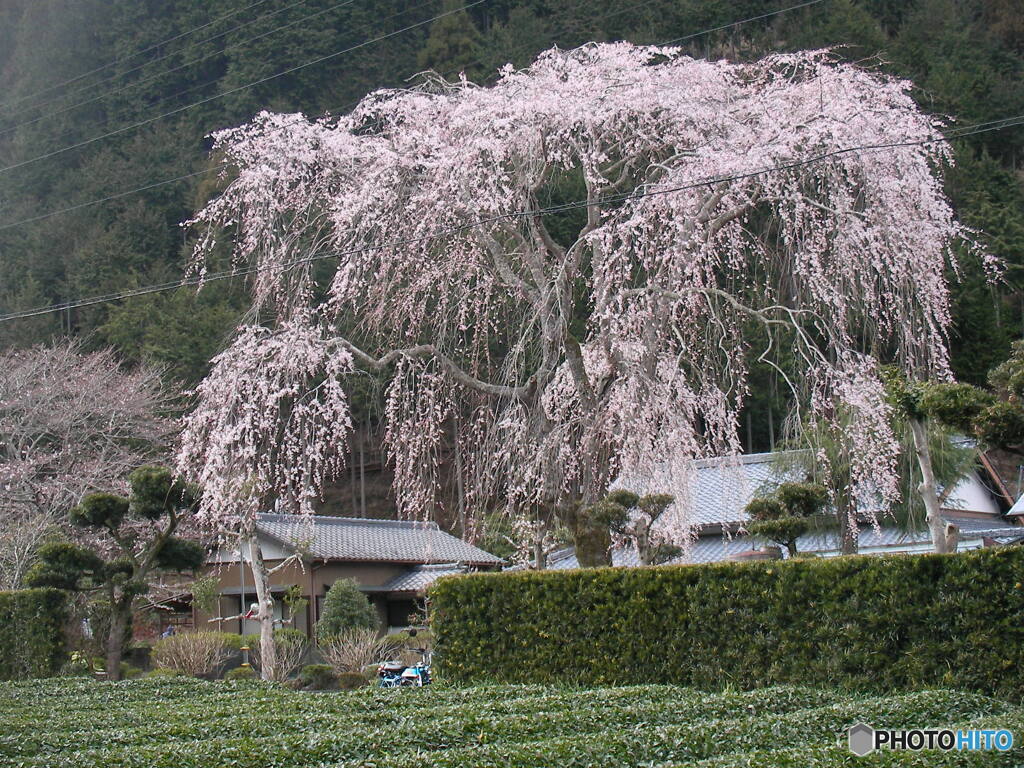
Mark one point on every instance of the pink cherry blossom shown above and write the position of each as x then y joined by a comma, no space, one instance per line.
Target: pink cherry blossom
571,359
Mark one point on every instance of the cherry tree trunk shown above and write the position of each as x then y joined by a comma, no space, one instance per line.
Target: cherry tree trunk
265,601
928,487
847,532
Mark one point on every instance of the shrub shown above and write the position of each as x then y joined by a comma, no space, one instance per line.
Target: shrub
192,653
354,650
317,677
32,640
345,607
349,681
872,623
290,645
241,673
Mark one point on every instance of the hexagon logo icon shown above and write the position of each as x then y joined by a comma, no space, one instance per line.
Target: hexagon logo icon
861,738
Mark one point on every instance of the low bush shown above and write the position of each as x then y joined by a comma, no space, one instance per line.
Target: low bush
355,649
317,677
290,649
349,681
192,653
32,640
865,623
240,673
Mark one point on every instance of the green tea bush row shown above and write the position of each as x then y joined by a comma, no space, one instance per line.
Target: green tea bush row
32,638
864,623
266,725
435,725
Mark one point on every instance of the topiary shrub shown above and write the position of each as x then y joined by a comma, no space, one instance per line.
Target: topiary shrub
241,673
349,681
345,607
317,677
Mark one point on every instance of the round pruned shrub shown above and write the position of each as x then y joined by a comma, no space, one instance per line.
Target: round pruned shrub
345,608
241,673
317,677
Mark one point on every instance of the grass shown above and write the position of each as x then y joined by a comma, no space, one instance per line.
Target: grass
183,723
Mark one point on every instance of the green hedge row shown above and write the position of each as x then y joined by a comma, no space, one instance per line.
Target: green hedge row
864,623
32,641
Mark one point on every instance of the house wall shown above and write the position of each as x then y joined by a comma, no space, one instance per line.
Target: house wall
314,579
971,496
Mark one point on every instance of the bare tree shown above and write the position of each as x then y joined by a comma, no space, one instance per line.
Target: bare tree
71,423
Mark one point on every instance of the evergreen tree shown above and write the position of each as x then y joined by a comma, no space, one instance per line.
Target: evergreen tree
132,539
345,607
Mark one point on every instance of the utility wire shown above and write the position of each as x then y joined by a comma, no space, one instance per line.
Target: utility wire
215,97
211,169
115,62
190,63
743,21
993,125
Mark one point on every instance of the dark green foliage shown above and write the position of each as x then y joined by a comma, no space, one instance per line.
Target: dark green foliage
345,607
765,508
156,491
317,677
180,555
866,623
956,405
1002,425
156,498
32,641
63,565
453,46
349,681
100,510
802,499
784,515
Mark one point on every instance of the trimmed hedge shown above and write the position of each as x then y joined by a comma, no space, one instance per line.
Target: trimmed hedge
863,623
32,639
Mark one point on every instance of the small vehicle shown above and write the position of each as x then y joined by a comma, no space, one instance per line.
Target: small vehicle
392,674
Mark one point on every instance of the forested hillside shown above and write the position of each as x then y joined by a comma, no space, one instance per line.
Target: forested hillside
102,97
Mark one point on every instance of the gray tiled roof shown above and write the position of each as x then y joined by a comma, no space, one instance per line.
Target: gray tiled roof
721,488
422,576
715,548
367,540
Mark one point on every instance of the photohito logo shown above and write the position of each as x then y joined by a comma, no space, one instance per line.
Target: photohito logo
863,739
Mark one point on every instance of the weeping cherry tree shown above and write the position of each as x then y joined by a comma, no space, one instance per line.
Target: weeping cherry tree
570,261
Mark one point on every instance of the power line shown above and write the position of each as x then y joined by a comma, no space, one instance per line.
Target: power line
192,62
176,179
115,62
743,21
992,125
221,95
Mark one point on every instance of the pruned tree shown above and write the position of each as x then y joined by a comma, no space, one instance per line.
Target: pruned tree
633,520
785,514
71,423
585,338
132,539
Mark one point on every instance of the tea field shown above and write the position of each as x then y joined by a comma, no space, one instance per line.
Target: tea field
182,723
